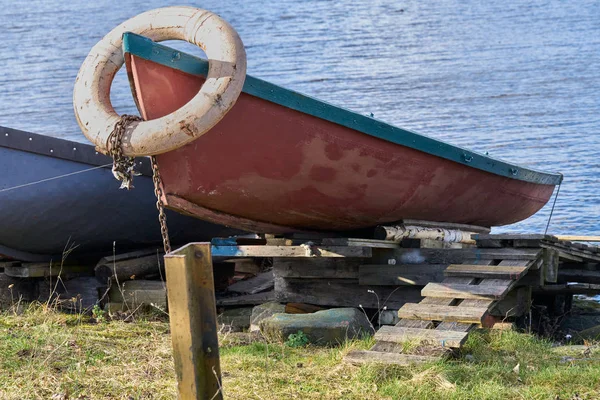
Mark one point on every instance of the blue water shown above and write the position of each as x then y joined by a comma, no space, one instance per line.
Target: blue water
518,79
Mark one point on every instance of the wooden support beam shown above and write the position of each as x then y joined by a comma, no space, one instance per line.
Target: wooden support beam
462,291
383,244
550,266
343,293
578,238
247,299
486,271
290,251
402,274
432,312
450,256
427,336
317,268
193,320
137,267
44,270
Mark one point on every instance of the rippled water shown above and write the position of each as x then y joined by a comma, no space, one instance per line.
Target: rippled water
518,79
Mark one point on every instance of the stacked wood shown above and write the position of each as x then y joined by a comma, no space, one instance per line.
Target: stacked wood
334,282
130,266
130,295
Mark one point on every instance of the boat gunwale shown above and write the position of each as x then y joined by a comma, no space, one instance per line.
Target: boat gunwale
63,149
147,49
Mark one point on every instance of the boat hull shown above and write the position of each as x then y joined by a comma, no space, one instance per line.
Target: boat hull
84,212
269,168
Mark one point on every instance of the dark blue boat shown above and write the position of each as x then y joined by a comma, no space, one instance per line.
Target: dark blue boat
56,194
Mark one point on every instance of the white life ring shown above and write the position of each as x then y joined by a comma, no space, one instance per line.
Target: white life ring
226,73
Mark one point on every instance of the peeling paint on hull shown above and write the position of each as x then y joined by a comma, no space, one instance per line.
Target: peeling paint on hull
276,166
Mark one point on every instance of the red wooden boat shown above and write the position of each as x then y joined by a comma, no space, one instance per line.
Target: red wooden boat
280,161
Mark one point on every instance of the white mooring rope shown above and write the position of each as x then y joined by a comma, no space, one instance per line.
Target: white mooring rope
53,178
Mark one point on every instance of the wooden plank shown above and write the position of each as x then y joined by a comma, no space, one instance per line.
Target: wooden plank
462,291
133,254
138,292
569,288
246,300
434,312
486,271
450,256
513,236
383,244
4,264
44,270
578,238
339,268
401,274
579,275
415,323
459,326
343,293
488,282
260,283
566,251
379,357
290,251
193,320
427,336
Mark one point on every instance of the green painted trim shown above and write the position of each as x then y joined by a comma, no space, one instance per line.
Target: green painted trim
147,49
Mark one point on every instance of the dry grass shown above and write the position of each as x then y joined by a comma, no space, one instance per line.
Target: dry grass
45,354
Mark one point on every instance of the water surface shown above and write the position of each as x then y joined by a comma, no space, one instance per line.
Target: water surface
520,80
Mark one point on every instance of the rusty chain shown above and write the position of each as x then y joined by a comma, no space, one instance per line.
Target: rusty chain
123,171
122,168
160,206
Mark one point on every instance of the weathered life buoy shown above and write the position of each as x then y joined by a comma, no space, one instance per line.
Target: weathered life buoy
226,73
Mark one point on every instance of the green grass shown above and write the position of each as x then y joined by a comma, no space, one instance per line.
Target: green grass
45,353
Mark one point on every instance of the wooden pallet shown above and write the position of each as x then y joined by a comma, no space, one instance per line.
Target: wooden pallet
452,308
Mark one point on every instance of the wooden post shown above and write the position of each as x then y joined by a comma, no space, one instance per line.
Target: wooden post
192,310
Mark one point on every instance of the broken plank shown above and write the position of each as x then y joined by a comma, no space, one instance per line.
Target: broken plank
380,357
290,251
260,283
486,271
462,291
429,336
402,274
432,312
